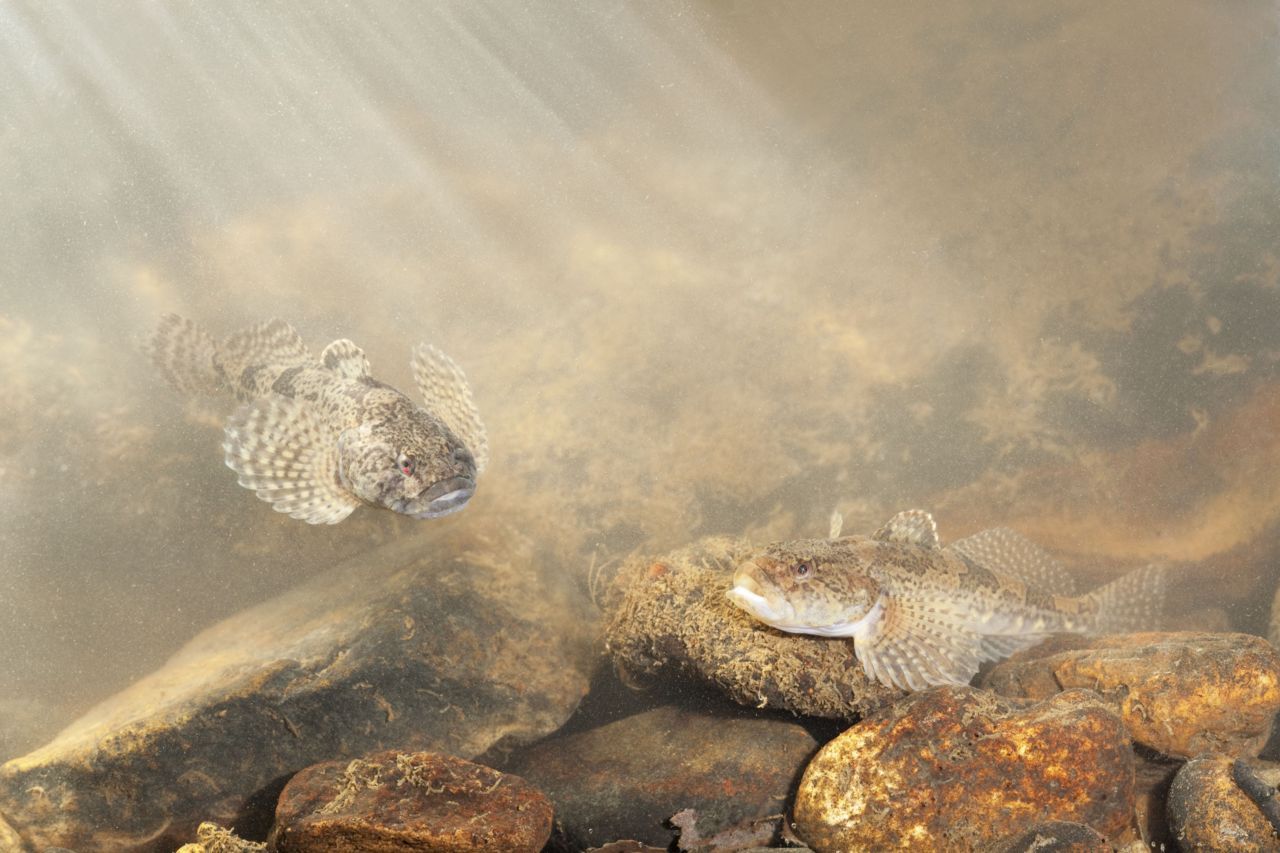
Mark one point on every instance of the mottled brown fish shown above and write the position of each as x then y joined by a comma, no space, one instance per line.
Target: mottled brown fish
318,437
922,615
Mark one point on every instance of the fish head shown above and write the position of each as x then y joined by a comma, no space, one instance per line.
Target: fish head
809,587
406,460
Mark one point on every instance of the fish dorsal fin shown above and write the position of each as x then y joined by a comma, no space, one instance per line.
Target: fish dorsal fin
444,388
1009,553
919,643
1133,602
286,456
914,526
836,525
273,345
346,359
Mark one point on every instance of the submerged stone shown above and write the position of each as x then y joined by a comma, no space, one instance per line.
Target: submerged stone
1209,808
627,779
436,642
958,768
397,801
1056,836
672,615
1180,693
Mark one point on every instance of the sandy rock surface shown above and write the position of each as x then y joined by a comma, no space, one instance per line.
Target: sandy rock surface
957,768
1179,693
624,780
402,647
396,801
670,617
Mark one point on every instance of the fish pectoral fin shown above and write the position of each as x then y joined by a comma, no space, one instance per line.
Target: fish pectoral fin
919,645
1000,646
914,526
444,388
285,455
346,359
1007,552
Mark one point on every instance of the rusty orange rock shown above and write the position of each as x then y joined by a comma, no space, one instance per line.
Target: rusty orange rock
958,769
1179,693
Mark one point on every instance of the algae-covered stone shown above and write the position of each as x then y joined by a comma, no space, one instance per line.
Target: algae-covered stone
396,801
671,614
1208,810
211,838
1179,693
958,768
626,779
437,642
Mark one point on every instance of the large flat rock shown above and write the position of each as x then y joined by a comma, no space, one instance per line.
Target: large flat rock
440,642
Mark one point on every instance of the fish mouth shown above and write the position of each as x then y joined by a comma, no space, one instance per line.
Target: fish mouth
751,596
438,499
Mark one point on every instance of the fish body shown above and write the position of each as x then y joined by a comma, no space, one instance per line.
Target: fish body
921,615
318,436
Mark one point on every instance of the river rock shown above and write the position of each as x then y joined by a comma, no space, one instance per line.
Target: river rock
1056,836
1180,693
671,615
958,768
1208,810
399,801
626,779
441,641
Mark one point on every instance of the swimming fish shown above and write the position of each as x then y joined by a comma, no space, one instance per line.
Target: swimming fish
318,437
921,615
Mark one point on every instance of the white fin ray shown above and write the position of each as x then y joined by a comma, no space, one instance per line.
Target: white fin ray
1007,552
346,359
444,388
836,525
284,454
913,526
921,643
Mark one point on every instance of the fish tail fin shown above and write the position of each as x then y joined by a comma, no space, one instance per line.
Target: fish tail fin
1133,602
186,356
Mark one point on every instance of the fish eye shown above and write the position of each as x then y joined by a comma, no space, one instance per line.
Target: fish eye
406,465
802,570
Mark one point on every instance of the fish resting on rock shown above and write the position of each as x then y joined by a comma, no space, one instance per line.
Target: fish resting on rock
921,615
318,437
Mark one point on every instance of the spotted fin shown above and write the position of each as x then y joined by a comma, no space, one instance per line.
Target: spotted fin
252,358
346,359
1134,602
186,355
288,459
1009,553
447,394
919,644
1000,646
914,526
